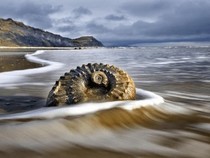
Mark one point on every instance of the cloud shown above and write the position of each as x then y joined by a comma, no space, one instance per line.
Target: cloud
184,21
95,28
122,21
36,8
155,21
188,19
34,14
37,14
67,28
78,12
148,8
115,17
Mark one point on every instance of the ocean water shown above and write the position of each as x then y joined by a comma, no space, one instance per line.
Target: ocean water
173,119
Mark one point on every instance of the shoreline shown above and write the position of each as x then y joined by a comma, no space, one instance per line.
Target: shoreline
16,61
151,131
34,49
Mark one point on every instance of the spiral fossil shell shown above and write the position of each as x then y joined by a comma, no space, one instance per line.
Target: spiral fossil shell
92,82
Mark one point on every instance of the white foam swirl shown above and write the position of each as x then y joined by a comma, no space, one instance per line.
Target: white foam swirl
13,77
149,98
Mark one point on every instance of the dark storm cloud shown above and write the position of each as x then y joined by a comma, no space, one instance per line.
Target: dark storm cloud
147,7
115,17
125,21
92,27
190,18
35,14
34,8
81,11
185,20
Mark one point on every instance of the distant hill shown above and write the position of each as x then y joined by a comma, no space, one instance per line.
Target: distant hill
13,33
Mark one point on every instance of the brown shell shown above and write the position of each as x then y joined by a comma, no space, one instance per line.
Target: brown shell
92,83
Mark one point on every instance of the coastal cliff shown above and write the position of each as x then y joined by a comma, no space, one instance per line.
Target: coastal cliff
13,33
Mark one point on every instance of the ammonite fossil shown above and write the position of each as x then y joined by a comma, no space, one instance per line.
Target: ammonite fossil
92,83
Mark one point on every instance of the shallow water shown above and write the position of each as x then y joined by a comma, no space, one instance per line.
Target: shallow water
179,127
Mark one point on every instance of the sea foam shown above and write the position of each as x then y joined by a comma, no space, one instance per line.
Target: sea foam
17,76
147,99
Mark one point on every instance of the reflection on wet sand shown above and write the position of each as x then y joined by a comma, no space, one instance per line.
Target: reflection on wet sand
179,128
15,62
147,131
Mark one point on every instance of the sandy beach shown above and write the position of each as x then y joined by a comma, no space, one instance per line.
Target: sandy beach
11,60
15,61
178,128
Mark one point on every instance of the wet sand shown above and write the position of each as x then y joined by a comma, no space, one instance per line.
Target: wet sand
15,61
11,61
142,133
33,49
130,134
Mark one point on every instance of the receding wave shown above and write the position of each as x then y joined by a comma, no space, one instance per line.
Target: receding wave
54,129
17,76
144,98
146,127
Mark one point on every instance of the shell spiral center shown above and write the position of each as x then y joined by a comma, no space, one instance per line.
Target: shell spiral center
99,78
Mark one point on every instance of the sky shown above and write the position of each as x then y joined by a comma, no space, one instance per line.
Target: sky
116,22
